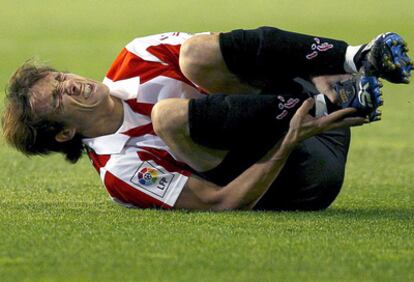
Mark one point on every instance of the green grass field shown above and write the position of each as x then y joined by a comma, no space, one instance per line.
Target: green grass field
58,224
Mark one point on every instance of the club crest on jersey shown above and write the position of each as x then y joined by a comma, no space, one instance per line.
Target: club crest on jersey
152,179
147,176
318,47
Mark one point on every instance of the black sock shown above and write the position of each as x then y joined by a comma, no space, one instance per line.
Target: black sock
269,56
230,121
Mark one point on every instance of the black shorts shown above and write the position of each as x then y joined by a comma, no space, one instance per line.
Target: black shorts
310,180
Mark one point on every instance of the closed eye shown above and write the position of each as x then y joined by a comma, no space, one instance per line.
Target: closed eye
60,77
55,99
56,94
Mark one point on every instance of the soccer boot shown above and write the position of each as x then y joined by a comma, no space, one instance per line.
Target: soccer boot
386,56
362,93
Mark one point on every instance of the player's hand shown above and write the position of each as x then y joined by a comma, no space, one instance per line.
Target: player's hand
303,125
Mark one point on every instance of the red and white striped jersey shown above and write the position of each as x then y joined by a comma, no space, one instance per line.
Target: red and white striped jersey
136,166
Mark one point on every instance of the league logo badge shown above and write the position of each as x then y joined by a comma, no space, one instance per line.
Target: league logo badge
153,179
147,176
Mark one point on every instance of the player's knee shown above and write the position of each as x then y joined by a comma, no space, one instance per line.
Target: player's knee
201,62
161,123
191,59
170,118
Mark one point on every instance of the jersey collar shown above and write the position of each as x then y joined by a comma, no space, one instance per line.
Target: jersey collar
123,89
114,143
107,144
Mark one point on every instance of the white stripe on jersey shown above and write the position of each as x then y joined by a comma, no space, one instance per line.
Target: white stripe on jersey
163,87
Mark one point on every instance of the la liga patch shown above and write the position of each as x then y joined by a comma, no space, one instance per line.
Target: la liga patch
152,179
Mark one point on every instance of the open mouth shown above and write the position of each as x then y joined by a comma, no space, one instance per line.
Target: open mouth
87,90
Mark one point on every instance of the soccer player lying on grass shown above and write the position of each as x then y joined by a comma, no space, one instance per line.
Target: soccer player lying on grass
211,121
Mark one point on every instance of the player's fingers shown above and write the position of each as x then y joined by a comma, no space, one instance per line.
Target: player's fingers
306,106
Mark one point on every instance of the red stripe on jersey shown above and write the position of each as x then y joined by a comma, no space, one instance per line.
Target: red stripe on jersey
167,53
98,161
170,54
141,108
128,194
140,130
164,159
128,65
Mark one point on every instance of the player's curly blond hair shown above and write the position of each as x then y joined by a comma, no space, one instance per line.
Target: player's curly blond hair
30,135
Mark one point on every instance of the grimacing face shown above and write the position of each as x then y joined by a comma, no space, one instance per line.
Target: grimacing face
68,98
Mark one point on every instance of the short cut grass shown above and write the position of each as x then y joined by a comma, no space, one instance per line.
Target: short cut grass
57,223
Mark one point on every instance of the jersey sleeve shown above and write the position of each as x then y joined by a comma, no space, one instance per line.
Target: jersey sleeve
140,179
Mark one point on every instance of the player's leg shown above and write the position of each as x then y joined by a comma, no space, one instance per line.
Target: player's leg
270,56
170,122
269,53
201,131
262,58
193,128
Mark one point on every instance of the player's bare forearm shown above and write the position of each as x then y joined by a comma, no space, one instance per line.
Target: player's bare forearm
241,193
247,189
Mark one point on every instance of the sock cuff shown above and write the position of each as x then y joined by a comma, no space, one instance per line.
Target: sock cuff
349,64
320,106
